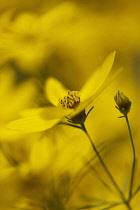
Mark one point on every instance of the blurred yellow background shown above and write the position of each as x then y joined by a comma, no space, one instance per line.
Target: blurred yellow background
67,40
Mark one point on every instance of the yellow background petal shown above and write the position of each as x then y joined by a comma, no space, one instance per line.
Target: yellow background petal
55,90
41,155
47,113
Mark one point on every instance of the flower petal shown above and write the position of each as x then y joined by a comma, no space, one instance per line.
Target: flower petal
55,90
87,102
40,119
97,78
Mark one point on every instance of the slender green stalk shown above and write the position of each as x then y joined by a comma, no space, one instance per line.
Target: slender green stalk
102,162
134,158
106,169
136,191
128,205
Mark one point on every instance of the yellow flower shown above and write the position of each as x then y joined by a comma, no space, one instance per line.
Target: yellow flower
29,39
71,105
21,42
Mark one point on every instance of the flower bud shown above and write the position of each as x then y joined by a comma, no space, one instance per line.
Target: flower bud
123,103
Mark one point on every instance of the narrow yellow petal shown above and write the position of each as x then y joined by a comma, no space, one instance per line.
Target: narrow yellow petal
46,113
31,124
97,78
55,90
31,112
87,102
41,119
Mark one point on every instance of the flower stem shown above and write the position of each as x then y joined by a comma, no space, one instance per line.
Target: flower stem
128,205
134,158
126,202
103,163
136,191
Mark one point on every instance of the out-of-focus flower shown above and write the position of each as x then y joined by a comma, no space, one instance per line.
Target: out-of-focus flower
68,31
44,118
47,175
28,39
14,98
22,42
57,153
123,103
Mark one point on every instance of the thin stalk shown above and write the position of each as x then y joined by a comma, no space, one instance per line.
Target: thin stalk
134,158
105,167
128,205
136,191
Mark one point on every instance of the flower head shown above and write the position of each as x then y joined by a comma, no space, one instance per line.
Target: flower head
66,103
123,103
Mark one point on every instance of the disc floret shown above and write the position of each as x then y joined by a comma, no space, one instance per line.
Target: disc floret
70,101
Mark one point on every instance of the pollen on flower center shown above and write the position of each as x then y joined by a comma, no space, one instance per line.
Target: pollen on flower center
71,100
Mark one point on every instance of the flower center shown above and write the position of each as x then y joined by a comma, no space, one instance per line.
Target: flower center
71,100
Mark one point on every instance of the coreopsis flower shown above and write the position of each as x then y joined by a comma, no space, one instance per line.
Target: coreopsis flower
123,103
66,103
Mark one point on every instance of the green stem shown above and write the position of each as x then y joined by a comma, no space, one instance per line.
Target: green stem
136,191
106,169
103,164
128,205
134,158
